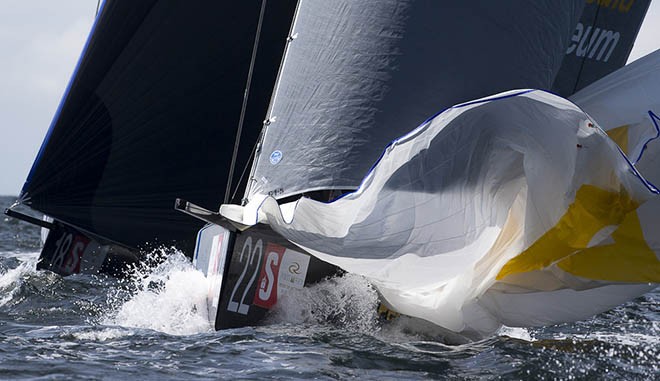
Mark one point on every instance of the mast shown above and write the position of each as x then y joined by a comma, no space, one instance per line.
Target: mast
239,128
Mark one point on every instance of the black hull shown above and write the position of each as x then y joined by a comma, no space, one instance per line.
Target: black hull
259,266
69,251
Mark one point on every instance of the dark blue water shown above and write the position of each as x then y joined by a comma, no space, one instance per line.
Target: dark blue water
153,327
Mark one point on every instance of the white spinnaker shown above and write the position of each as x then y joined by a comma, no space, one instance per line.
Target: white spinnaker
628,102
629,99
450,204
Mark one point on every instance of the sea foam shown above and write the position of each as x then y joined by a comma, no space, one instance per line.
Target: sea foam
171,298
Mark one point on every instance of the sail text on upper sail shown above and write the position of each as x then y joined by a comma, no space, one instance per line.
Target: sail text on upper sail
623,6
586,42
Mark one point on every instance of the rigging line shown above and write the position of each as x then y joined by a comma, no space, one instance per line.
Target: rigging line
98,4
238,185
246,94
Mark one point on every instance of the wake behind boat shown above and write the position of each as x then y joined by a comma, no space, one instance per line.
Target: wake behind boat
447,225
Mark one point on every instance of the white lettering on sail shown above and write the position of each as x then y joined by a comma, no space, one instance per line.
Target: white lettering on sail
586,43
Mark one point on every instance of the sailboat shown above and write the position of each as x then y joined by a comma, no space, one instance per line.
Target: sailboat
154,111
487,213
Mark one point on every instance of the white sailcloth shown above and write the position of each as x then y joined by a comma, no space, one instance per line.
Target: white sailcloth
515,209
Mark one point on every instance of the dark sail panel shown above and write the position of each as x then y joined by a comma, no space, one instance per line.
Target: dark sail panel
358,74
151,114
601,42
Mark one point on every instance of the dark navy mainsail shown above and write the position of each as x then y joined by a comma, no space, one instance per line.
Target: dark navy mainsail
151,114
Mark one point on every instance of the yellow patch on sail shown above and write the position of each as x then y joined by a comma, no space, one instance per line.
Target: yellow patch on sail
628,259
620,137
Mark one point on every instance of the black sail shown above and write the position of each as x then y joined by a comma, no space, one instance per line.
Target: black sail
151,114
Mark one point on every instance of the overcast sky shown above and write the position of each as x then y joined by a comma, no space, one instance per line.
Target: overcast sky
41,41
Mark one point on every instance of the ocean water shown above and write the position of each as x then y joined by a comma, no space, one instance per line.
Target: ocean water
153,327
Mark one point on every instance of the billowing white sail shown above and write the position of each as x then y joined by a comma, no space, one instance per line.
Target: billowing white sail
515,209
626,104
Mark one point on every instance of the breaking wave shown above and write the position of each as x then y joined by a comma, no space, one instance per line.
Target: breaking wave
348,301
12,278
170,298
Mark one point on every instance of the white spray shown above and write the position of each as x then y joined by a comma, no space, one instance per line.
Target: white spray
170,298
